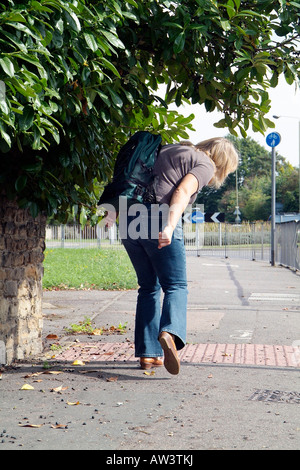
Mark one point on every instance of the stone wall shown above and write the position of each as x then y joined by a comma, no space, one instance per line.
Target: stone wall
22,244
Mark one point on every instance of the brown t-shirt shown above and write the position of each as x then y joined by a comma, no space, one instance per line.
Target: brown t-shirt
173,163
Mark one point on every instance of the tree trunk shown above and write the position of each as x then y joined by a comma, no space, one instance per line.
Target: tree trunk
22,243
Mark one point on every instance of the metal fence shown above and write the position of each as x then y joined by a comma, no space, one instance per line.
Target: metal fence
74,236
288,244
248,240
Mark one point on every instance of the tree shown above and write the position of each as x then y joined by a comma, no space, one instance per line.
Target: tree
255,198
78,77
65,106
287,188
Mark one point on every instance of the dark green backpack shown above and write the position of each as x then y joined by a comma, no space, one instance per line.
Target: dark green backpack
133,171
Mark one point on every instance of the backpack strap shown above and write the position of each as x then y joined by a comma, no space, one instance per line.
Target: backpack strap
150,195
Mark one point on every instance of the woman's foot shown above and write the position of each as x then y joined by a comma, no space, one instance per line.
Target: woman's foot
149,362
171,360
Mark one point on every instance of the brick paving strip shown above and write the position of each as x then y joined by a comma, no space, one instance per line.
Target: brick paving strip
239,354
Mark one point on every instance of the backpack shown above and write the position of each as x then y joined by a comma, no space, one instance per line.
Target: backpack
133,171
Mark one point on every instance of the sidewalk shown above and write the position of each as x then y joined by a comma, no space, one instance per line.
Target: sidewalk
238,387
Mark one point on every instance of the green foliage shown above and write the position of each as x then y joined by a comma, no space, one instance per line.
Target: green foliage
78,77
84,326
287,188
255,198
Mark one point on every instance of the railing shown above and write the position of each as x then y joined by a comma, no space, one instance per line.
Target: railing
74,236
250,241
288,244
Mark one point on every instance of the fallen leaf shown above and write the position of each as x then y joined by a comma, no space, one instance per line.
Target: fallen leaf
97,332
31,425
34,374
112,379
58,389
78,362
51,336
73,403
27,387
54,372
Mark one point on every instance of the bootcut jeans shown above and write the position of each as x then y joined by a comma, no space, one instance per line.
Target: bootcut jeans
159,271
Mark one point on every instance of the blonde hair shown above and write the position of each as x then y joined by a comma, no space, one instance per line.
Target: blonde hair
223,154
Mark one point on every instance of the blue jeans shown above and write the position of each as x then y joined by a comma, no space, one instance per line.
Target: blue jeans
157,269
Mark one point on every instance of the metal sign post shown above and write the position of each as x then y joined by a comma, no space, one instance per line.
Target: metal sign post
273,140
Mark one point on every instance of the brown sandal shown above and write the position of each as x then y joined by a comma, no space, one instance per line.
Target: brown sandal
171,360
149,362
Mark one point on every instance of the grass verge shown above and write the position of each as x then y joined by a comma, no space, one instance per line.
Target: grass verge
106,269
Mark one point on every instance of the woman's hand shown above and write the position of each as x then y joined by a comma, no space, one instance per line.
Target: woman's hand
165,237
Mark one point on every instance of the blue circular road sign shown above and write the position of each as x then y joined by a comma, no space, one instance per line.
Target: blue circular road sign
273,139
197,217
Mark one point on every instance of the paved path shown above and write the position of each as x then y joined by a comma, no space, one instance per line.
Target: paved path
238,387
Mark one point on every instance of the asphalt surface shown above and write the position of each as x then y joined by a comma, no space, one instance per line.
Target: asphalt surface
245,395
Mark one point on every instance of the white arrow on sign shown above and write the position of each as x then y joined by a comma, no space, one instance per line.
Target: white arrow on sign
214,217
187,218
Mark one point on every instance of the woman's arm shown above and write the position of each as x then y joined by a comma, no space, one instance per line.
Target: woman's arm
178,204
